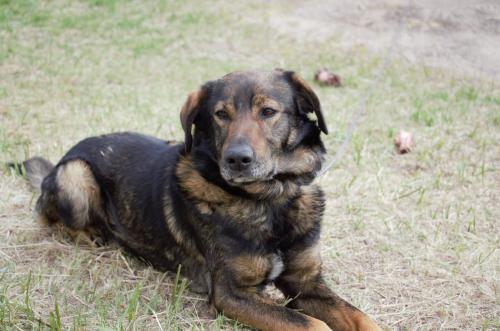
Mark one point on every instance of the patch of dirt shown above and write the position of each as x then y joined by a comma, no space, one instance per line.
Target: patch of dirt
458,35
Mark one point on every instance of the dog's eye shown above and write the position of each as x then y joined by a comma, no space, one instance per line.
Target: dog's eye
222,114
267,112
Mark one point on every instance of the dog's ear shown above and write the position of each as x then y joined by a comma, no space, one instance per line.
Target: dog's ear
189,112
307,101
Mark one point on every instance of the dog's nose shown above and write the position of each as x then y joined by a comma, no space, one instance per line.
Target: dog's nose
239,157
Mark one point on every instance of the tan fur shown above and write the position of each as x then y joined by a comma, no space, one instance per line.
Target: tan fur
318,325
292,136
261,101
179,235
250,270
226,106
262,314
305,209
304,267
246,127
77,184
364,323
308,259
301,160
188,113
279,190
197,186
341,316
314,298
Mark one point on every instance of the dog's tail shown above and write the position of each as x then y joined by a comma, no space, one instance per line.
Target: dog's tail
34,170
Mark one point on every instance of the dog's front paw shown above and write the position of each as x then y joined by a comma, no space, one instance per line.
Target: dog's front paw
365,323
318,325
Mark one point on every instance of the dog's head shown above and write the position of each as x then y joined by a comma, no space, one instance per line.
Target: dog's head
255,125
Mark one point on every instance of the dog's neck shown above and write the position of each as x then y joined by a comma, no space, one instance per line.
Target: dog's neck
199,173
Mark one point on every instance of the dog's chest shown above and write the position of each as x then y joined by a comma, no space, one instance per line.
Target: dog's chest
277,266
253,220
252,234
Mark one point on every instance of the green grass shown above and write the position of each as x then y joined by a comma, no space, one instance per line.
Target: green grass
411,239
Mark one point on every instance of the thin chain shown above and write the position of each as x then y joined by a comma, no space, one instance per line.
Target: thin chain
362,103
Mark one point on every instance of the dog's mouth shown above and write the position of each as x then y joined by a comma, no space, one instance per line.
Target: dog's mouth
243,179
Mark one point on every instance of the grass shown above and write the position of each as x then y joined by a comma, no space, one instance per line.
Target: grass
412,240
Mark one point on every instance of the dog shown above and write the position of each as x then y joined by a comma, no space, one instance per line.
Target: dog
234,205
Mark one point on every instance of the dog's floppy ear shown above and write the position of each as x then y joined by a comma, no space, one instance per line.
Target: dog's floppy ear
188,115
307,101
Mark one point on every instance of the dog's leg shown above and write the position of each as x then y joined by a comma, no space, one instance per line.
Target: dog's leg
246,306
303,282
71,202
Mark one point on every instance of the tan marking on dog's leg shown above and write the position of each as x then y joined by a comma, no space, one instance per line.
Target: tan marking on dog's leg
302,280
250,308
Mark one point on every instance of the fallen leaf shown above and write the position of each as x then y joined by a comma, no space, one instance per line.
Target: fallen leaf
324,77
403,142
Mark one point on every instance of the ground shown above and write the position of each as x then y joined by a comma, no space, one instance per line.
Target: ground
459,36
410,239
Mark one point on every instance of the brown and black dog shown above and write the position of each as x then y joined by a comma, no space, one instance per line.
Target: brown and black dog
234,205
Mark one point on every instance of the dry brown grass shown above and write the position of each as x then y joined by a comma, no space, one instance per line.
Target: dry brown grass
412,240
